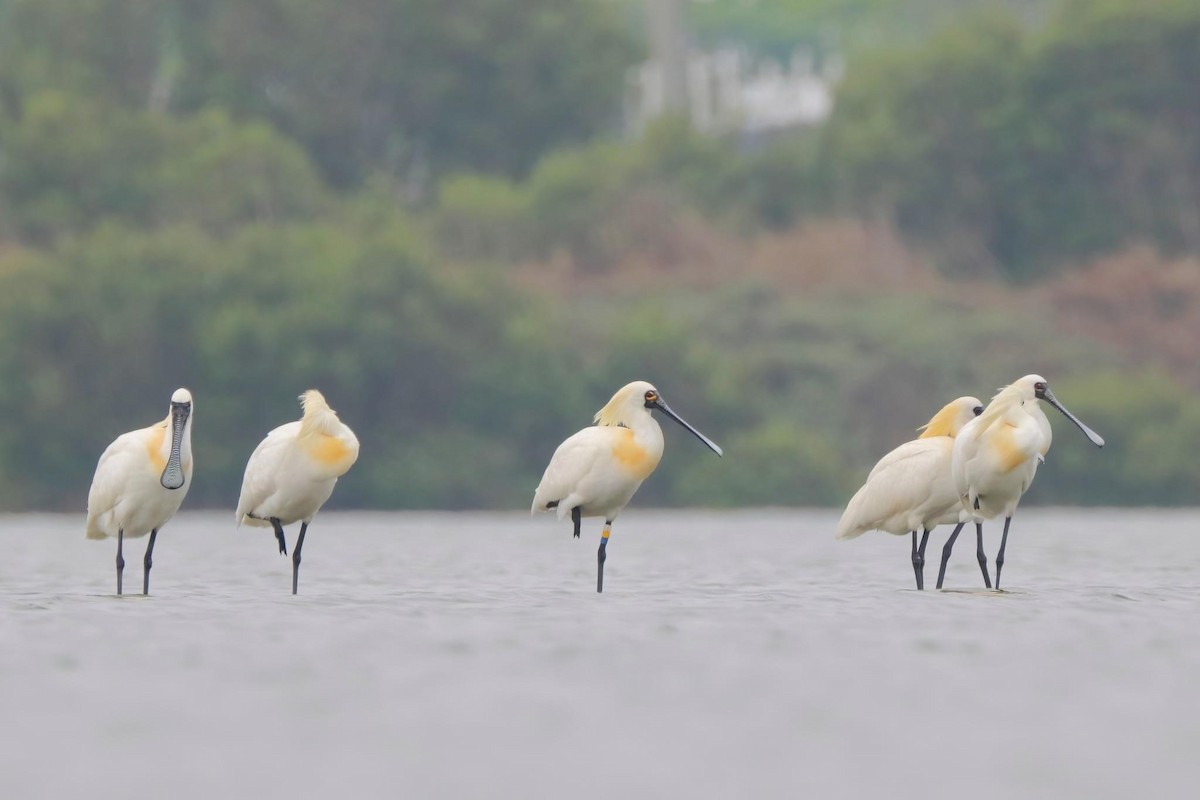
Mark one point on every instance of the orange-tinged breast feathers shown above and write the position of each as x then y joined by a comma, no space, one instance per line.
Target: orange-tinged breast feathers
632,456
1008,454
330,450
154,447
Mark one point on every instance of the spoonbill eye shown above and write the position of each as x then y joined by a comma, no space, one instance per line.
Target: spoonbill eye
977,410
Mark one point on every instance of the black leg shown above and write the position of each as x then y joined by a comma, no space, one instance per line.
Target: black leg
278,526
946,553
916,569
577,518
120,558
601,554
296,556
1000,555
980,556
148,562
919,558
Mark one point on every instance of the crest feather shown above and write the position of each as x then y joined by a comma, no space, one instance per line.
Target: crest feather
318,416
1000,404
616,410
950,420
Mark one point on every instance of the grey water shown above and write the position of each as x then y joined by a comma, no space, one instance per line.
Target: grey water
732,654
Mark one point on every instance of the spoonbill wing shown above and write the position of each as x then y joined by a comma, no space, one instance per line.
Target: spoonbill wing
111,470
259,480
570,464
908,482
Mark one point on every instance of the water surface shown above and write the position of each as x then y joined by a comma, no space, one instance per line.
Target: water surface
732,655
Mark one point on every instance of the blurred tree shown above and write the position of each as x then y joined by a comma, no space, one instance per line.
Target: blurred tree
406,86
71,163
1003,149
393,86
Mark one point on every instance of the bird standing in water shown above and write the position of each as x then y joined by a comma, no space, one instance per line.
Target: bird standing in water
292,472
996,456
911,488
595,472
140,482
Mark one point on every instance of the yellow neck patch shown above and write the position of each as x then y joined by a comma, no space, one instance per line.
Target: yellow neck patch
328,450
632,456
1009,455
154,447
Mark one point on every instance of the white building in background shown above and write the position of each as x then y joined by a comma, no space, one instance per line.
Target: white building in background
727,89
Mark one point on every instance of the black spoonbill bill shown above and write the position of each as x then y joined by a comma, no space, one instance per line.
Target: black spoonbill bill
140,482
996,456
292,472
595,472
911,488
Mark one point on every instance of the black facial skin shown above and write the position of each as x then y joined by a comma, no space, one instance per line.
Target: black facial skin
1042,392
653,401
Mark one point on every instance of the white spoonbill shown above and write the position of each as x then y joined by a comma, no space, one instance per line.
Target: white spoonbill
292,472
140,482
911,488
595,472
996,456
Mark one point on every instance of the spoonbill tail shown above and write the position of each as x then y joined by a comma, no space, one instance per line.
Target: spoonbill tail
996,457
292,472
911,488
595,472
140,482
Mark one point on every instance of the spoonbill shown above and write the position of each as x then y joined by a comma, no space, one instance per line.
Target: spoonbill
996,456
911,488
292,472
595,472
140,482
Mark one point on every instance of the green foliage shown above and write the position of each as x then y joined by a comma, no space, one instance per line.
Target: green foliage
856,27
72,163
364,86
115,52
603,201
1019,151
1150,425
100,329
405,85
114,322
206,194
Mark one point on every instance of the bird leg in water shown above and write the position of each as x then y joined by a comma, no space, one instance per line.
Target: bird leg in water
601,554
296,556
148,562
577,518
120,558
278,526
918,557
946,553
1000,555
980,556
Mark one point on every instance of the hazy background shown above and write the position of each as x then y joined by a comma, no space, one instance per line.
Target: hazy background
809,222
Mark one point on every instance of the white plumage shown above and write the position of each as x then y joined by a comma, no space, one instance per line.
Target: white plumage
293,470
995,457
141,480
911,488
596,472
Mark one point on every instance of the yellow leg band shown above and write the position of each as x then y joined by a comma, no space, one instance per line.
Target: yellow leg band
606,532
